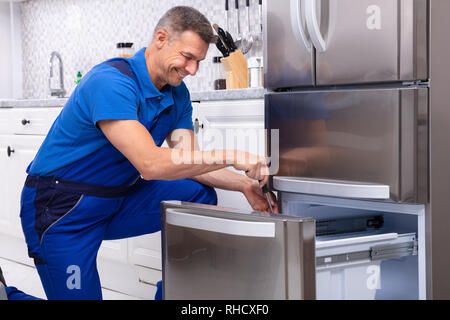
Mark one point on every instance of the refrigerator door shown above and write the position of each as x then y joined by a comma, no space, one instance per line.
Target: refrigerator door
350,143
288,57
368,41
212,252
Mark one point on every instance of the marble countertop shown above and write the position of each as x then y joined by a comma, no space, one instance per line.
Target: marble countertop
237,94
32,103
214,95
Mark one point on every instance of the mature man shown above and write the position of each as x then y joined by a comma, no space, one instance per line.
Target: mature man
101,173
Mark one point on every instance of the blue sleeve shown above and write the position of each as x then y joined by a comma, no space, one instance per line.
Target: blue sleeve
185,118
111,96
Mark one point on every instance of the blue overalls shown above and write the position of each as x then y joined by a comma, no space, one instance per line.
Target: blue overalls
65,221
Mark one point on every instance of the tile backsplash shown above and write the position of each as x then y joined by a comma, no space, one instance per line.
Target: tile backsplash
85,33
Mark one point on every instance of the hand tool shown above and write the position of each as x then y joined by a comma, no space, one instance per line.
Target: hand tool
265,190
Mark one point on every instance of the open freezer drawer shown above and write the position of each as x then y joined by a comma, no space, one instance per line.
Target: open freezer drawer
364,249
350,266
212,252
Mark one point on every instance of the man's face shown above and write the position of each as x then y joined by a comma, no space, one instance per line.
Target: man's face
181,57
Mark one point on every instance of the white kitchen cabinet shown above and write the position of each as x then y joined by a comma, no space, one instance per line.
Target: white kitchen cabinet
21,134
234,124
17,151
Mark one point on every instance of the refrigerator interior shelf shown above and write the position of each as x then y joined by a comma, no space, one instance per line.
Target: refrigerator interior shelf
368,248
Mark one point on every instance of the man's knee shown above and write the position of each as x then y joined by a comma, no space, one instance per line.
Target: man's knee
210,195
203,194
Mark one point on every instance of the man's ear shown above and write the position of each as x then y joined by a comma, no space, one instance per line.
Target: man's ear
161,38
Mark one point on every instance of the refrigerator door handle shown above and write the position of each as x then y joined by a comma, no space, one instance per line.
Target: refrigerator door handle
226,226
313,26
332,188
297,24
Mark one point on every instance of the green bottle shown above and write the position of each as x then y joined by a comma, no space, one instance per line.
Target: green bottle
79,76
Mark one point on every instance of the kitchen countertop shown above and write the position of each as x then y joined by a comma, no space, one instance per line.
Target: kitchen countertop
237,94
213,95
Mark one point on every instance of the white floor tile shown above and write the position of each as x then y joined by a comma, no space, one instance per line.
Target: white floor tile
22,277
26,279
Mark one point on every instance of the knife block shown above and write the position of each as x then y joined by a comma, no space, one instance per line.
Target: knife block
236,72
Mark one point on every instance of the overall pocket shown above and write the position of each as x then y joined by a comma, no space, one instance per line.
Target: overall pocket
51,206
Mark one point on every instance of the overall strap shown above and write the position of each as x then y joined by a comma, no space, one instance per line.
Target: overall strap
124,68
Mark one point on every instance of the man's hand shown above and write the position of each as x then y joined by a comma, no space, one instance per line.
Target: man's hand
255,167
257,199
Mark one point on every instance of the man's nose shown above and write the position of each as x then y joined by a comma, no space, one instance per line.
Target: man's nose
192,67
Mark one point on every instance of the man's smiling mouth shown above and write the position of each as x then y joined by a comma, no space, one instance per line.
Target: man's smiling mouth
180,74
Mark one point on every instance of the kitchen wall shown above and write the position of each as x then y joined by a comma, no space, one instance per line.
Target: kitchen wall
85,32
5,52
11,50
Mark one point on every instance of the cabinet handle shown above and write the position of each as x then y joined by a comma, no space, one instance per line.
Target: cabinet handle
25,122
197,125
9,150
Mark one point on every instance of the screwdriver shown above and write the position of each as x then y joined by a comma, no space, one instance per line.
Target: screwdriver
265,190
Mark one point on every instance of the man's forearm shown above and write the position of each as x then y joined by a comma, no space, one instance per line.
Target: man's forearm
224,179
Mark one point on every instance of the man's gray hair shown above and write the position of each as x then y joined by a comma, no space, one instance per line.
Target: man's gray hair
182,18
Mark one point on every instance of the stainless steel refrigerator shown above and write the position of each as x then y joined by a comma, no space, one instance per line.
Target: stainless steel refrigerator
351,89
357,90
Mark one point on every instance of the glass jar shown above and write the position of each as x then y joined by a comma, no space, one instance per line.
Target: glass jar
255,72
219,73
125,49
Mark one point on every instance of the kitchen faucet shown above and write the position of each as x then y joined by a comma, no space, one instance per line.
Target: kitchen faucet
61,92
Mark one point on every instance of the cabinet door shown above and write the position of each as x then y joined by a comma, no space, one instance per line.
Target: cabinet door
35,121
114,250
5,219
146,251
16,153
232,125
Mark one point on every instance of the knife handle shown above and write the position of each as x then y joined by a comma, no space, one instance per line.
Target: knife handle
247,3
221,35
236,4
226,5
221,47
230,41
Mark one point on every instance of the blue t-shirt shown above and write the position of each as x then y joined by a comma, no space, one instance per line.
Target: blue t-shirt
107,93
